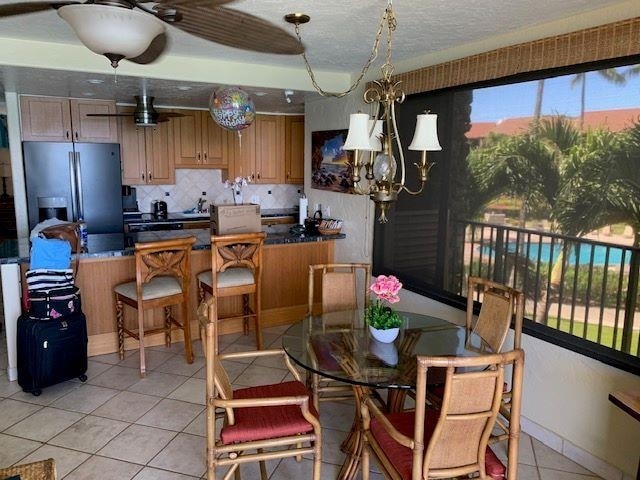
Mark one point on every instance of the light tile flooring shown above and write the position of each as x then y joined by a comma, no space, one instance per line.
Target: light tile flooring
118,426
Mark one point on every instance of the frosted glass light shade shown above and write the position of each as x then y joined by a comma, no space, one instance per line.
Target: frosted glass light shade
358,136
105,29
376,135
426,135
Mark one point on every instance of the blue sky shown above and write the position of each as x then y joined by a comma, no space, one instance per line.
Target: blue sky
518,100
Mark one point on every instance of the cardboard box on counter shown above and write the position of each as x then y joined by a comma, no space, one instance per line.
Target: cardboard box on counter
230,219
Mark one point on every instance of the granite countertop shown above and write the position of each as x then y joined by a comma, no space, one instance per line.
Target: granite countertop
199,217
107,245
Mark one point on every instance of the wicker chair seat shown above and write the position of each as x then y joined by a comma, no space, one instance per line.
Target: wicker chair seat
401,457
159,287
261,423
232,277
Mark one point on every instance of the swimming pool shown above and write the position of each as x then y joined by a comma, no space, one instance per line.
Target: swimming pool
599,254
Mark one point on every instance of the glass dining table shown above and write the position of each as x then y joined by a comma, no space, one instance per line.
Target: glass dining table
339,346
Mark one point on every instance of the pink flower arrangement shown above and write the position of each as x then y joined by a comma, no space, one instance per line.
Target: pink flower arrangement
378,315
387,288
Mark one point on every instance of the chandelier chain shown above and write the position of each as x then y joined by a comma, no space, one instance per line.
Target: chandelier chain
388,18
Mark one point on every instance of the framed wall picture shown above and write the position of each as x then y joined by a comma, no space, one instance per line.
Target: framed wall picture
330,165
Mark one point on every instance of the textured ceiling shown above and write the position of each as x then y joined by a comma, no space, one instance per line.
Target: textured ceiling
338,38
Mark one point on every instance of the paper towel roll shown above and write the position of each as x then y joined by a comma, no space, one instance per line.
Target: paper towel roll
303,205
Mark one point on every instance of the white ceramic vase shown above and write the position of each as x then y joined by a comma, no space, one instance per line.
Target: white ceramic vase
384,336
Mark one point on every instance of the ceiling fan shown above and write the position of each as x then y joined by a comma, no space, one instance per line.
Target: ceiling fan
144,114
134,29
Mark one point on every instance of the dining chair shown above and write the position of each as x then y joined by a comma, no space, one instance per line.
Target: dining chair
500,306
453,440
266,422
339,286
163,275
236,269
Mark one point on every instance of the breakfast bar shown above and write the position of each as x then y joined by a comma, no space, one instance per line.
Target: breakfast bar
109,261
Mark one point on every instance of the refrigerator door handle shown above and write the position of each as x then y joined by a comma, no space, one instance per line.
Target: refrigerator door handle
78,174
74,190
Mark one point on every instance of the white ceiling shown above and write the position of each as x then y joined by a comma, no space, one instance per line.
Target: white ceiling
338,38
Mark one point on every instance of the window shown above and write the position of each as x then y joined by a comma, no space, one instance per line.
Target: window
538,187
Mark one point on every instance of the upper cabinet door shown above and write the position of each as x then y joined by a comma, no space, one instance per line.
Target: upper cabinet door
294,149
187,132
212,141
242,152
45,119
93,129
269,149
132,150
160,150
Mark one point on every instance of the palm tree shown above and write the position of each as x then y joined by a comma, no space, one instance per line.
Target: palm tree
610,74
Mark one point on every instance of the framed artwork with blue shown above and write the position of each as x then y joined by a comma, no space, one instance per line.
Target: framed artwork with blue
330,165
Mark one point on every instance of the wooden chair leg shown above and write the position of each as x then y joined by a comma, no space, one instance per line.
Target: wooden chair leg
315,387
246,311
365,460
186,327
167,326
143,367
257,308
317,459
120,326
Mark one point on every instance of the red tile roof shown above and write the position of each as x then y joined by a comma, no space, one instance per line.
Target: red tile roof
613,120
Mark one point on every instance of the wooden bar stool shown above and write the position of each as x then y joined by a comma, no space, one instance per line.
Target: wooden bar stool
236,269
163,274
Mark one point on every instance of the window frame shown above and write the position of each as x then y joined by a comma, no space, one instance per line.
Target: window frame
607,355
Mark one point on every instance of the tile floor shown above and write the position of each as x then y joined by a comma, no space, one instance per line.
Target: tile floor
118,426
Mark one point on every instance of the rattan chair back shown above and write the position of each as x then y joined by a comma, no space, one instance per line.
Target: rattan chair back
500,305
339,283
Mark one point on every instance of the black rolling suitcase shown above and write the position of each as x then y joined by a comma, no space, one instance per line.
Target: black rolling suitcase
51,351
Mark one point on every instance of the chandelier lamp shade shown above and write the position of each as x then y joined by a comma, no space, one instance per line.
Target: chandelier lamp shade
382,175
112,31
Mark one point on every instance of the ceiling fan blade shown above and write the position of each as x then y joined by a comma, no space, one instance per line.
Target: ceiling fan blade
168,115
151,54
109,114
178,3
29,7
236,29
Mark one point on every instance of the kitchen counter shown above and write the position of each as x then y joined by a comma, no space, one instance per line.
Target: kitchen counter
177,217
118,244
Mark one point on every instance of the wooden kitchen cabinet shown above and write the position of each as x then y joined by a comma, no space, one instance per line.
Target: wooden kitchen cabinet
198,141
270,147
294,149
56,119
241,153
146,152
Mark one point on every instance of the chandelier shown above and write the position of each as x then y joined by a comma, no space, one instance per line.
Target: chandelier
377,134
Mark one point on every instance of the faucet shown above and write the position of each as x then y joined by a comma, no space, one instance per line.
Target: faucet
200,207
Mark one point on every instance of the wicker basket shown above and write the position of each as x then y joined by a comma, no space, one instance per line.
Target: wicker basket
42,470
329,231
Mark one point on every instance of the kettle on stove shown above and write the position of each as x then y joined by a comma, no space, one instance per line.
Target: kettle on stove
159,209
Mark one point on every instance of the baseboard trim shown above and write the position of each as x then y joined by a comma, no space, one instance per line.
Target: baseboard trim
563,446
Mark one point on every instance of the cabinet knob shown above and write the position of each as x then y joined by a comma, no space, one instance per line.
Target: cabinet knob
149,175
288,174
252,176
68,134
258,175
205,157
198,156
142,175
76,133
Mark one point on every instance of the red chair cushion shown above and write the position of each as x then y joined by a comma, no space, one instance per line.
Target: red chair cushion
260,423
401,457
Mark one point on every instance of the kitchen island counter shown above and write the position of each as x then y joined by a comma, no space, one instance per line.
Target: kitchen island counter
110,261
105,245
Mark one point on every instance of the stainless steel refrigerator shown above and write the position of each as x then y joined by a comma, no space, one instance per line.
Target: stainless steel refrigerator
72,181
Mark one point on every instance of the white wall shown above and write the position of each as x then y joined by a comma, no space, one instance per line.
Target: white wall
565,394
356,211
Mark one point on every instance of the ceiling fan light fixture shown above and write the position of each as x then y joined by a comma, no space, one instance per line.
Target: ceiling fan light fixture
114,32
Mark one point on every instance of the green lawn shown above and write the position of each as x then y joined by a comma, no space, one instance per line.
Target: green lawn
606,338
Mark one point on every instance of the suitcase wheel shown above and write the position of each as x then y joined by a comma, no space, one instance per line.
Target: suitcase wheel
36,392
82,378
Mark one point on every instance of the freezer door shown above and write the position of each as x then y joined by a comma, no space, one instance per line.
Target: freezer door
99,186
47,169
